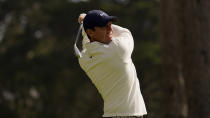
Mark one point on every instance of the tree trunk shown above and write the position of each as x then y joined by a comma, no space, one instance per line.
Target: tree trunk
173,82
185,42
196,57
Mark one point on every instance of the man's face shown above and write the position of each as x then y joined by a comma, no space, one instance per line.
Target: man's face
103,34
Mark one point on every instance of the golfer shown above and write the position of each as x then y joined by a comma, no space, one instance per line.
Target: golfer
106,59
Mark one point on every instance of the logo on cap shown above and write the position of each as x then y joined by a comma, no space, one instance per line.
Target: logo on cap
102,14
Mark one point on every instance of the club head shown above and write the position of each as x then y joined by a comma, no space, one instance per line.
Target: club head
77,52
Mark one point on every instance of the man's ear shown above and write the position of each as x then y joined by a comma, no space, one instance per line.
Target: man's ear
90,32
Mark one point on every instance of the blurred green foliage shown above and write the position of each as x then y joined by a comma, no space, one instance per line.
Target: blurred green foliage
39,75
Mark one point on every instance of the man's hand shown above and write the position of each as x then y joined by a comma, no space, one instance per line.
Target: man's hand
81,17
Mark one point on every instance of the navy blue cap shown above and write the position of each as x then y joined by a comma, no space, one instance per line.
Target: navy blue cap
97,18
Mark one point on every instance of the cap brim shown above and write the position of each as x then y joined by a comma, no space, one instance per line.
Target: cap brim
113,18
110,18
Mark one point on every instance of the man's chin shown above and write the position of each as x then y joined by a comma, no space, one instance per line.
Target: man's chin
108,40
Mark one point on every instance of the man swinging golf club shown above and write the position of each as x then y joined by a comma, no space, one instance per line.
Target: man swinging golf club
106,59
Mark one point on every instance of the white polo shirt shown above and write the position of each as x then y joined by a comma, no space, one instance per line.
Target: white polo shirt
110,68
